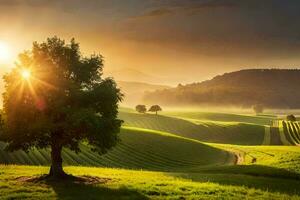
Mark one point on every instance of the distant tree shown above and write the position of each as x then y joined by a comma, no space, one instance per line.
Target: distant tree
59,101
155,108
291,118
258,109
179,85
141,108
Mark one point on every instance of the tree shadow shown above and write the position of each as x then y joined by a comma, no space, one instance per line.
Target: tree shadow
86,187
252,176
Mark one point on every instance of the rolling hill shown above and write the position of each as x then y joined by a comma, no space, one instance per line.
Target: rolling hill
138,149
227,131
273,88
164,157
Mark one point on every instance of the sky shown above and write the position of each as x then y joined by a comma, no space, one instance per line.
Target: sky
161,41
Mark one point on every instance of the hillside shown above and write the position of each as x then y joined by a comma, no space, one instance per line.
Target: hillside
274,88
134,91
228,132
164,157
138,149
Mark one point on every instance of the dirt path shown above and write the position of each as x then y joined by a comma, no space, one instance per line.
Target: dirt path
239,159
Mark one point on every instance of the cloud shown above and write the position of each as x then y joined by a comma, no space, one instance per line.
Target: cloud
33,3
137,33
167,8
208,5
158,12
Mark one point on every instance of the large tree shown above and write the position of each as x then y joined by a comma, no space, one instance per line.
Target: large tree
57,98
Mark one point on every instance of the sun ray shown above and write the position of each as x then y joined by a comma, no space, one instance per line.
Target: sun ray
44,83
32,91
20,92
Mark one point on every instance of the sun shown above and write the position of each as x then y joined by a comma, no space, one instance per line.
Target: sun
26,74
5,52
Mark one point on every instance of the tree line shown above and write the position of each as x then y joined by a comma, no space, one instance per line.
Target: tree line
273,88
143,109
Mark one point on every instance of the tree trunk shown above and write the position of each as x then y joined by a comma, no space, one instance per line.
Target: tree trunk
156,112
56,170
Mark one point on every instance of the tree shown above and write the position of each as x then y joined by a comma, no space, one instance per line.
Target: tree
291,118
155,108
141,108
57,98
258,109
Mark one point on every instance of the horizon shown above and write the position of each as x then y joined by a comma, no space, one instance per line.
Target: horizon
136,91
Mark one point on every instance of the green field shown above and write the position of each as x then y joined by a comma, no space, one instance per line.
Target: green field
228,132
128,184
291,130
176,155
223,117
138,149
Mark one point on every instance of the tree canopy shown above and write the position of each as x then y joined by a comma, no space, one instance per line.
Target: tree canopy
155,108
59,102
141,108
291,118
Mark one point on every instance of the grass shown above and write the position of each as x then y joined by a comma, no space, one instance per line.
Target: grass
267,136
280,157
179,156
291,130
283,136
223,117
139,149
207,131
129,184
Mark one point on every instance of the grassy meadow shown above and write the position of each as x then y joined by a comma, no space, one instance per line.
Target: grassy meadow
130,184
174,155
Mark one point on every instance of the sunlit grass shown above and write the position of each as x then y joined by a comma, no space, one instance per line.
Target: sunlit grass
128,184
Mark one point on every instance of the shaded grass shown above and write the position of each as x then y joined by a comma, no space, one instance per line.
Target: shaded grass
128,184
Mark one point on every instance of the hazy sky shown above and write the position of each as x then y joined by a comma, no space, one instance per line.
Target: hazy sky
167,41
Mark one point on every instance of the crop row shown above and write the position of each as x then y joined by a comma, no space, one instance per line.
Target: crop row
291,132
206,131
137,150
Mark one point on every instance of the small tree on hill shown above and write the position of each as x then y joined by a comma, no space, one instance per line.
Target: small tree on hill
155,108
291,118
56,98
141,108
258,109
